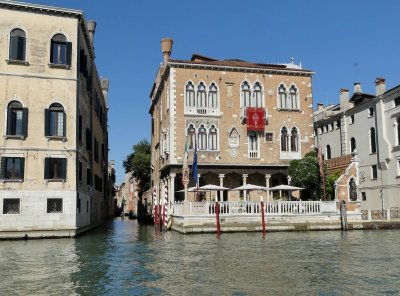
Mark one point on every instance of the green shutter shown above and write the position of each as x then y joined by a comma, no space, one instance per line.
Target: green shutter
46,122
22,168
25,122
63,168
13,55
51,52
9,121
21,49
3,168
64,124
68,53
46,168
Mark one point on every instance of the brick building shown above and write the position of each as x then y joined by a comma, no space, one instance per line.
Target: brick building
247,119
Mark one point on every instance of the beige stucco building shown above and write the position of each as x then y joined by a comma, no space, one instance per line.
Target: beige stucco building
54,146
248,120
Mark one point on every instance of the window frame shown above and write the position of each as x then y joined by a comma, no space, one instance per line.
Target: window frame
63,55
5,200
253,145
17,47
374,172
372,140
5,168
53,116
55,169
12,120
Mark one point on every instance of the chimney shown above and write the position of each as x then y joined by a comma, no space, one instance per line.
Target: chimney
357,87
320,106
344,99
105,83
91,26
166,48
112,164
380,86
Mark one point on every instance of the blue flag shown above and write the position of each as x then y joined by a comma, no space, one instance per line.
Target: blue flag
194,166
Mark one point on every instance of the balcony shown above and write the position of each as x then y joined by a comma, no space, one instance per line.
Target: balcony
201,111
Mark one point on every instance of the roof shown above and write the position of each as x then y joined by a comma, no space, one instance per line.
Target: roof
201,60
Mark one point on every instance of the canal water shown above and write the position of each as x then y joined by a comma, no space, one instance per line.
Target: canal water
123,258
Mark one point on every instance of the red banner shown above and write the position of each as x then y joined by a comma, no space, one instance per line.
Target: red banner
255,119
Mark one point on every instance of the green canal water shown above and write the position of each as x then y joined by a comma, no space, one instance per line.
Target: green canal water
123,258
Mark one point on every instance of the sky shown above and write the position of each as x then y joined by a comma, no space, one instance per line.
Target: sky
342,41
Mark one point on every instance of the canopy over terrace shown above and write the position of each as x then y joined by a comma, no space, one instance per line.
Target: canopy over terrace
283,187
248,187
211,187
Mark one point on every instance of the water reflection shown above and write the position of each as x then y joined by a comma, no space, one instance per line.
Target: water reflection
124,259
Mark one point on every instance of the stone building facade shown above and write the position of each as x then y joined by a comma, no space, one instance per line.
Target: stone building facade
54,147
367,127
248,121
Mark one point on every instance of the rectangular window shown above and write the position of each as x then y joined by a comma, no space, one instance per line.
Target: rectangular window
12,168
364,196
55,168
351,119
54,205
11,206
89,177
96,150
374,172
80,128
88,139
269,137
78,203
80,171
98,183
371,112
397,101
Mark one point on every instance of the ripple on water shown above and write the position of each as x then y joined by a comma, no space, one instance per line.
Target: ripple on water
125,259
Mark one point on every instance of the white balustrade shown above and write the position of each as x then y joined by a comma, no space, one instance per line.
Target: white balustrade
273,208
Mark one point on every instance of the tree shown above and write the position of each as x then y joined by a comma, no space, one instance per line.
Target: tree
330,184
305,173
138,162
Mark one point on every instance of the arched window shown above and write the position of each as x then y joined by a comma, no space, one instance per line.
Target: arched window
282,97
191,133
372,139
212,96
60,53
284,139
253,145
189,95
328,152
201,96
202,143
293,97
213,138
233,138
257,96
17,119
17,45
246,94
353,190
352,144
55,121
294,140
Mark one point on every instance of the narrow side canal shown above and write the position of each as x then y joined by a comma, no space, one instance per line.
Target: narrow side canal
123,258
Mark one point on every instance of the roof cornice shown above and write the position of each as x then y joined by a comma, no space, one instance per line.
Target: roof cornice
265,70
39,8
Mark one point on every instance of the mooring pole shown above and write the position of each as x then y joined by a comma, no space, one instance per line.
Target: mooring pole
217,215
263,217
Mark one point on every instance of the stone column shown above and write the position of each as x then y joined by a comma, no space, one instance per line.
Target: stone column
244,176
221,183
172,187
267,178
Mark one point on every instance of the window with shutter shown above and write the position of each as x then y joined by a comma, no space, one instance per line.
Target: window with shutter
55,168
12,168
55,121
61,51
17,119
17,45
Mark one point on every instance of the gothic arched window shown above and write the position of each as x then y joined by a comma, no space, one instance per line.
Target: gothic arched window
353,190
284,139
